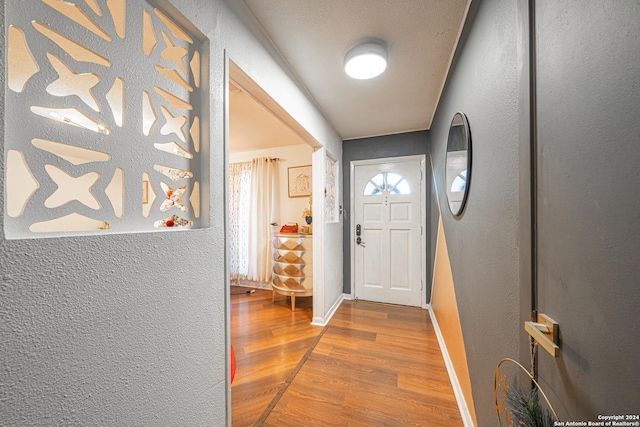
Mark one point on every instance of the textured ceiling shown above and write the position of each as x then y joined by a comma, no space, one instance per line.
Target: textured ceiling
313,37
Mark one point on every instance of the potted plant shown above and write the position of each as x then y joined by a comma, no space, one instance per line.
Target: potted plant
307,213
521,407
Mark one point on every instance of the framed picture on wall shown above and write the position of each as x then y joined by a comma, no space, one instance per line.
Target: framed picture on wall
299,181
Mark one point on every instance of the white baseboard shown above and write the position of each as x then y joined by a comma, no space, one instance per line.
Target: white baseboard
457,390
322,321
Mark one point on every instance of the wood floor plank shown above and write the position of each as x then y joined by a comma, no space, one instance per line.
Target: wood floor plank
350,333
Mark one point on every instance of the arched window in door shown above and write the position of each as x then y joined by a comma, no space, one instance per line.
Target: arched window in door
387,182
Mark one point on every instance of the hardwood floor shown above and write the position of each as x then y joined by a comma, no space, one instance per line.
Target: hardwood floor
373,365
269,340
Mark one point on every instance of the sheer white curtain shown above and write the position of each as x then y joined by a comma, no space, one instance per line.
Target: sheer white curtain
239,211
263,173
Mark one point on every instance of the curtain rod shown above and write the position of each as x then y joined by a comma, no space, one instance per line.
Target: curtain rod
271,159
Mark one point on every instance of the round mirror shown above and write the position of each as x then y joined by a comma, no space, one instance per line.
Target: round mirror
458,163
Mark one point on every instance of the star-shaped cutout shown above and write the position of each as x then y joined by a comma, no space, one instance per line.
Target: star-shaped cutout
174,198
174,53
70,83
173,125
71,188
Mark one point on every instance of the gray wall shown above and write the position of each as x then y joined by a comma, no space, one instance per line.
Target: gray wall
405,144
116,330
587,175
483,242
588,99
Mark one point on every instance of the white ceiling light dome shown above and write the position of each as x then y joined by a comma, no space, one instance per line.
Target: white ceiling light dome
366,60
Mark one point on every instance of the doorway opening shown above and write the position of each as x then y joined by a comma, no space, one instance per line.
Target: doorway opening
263,146
269,178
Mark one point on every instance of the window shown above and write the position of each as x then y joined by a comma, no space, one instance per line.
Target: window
459,182
388,182
239,209
331,195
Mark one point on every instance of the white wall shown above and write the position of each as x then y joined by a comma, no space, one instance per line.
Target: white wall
131,329
288,209
266,72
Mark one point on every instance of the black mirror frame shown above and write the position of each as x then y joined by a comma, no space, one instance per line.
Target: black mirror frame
467,132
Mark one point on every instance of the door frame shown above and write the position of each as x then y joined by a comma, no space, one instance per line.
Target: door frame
527,166
233,72
423,217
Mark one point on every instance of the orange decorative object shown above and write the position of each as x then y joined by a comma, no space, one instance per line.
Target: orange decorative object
289,228
233,364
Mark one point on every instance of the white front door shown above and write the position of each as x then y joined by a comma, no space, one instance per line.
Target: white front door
387,230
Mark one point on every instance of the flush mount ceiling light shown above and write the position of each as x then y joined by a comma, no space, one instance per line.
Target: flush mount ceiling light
366,60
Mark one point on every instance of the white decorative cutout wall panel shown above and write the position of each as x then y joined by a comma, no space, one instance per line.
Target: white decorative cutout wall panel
103,96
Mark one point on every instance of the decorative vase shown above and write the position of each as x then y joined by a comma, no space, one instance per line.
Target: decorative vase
308,219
